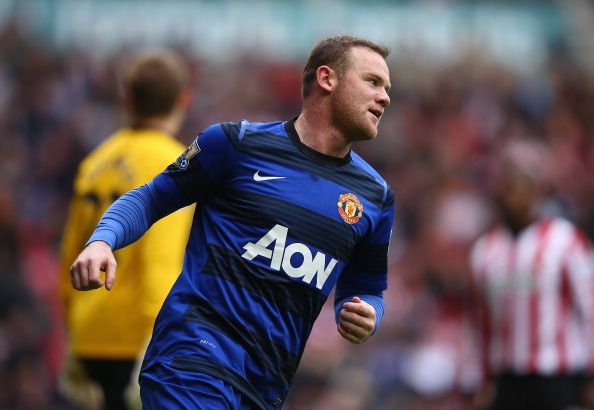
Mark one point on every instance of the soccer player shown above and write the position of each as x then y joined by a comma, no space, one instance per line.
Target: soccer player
285,212
109,331
535,280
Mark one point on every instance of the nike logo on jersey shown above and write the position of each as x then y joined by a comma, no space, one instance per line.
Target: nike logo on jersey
259,178
306,267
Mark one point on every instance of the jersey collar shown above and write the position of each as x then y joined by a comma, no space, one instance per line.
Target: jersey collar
314,155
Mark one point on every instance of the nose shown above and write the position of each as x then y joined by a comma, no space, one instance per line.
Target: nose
383,98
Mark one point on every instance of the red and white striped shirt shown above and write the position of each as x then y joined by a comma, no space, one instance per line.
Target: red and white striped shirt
537,295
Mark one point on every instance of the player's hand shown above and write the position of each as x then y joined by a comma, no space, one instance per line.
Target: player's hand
85,272
356,320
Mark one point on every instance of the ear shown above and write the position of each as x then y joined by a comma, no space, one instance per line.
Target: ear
326,78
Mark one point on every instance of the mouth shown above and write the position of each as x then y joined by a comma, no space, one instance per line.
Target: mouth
377,113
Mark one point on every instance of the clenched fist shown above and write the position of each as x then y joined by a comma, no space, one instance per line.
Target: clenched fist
356,320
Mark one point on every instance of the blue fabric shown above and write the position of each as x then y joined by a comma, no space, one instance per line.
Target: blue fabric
171,389
127,219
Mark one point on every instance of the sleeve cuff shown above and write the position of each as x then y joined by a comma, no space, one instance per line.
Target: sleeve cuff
377,302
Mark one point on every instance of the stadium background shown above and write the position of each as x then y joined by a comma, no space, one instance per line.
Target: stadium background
467,76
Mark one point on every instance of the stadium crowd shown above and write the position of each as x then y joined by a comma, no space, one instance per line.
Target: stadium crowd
438,146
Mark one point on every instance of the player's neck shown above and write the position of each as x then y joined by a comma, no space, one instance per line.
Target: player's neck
316,132
168,124
517,223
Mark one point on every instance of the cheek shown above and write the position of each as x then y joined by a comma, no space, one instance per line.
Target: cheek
344,104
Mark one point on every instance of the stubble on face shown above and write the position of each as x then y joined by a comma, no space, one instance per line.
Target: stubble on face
346,116
353,98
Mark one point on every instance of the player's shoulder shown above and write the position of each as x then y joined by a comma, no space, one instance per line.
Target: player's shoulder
236,131
564,230
148,152
365,168
141,142
152,142
493,238
557,222
488,237
102,151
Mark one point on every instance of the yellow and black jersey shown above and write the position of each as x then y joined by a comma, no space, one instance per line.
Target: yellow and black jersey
116,324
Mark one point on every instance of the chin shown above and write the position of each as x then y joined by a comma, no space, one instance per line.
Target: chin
361,130
363,136
369,137
369,133
366,133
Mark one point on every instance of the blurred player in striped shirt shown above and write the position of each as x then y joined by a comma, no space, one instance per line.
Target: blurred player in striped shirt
534,278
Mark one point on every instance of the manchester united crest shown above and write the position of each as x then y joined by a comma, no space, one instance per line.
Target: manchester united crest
350,208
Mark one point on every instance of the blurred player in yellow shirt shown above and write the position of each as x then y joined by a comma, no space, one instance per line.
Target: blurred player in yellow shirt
109,330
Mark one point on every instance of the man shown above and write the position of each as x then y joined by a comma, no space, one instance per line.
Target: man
109,331
285,212
534,278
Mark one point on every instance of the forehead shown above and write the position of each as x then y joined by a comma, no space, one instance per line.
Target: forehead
364,60
513,176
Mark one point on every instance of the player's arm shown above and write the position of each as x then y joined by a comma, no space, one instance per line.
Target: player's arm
359,303
579,267
192,178
478,316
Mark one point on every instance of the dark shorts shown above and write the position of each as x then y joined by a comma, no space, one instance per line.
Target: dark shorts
532,392
113,376
168,388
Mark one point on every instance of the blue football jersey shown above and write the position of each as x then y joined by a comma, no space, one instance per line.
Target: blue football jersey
277,227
